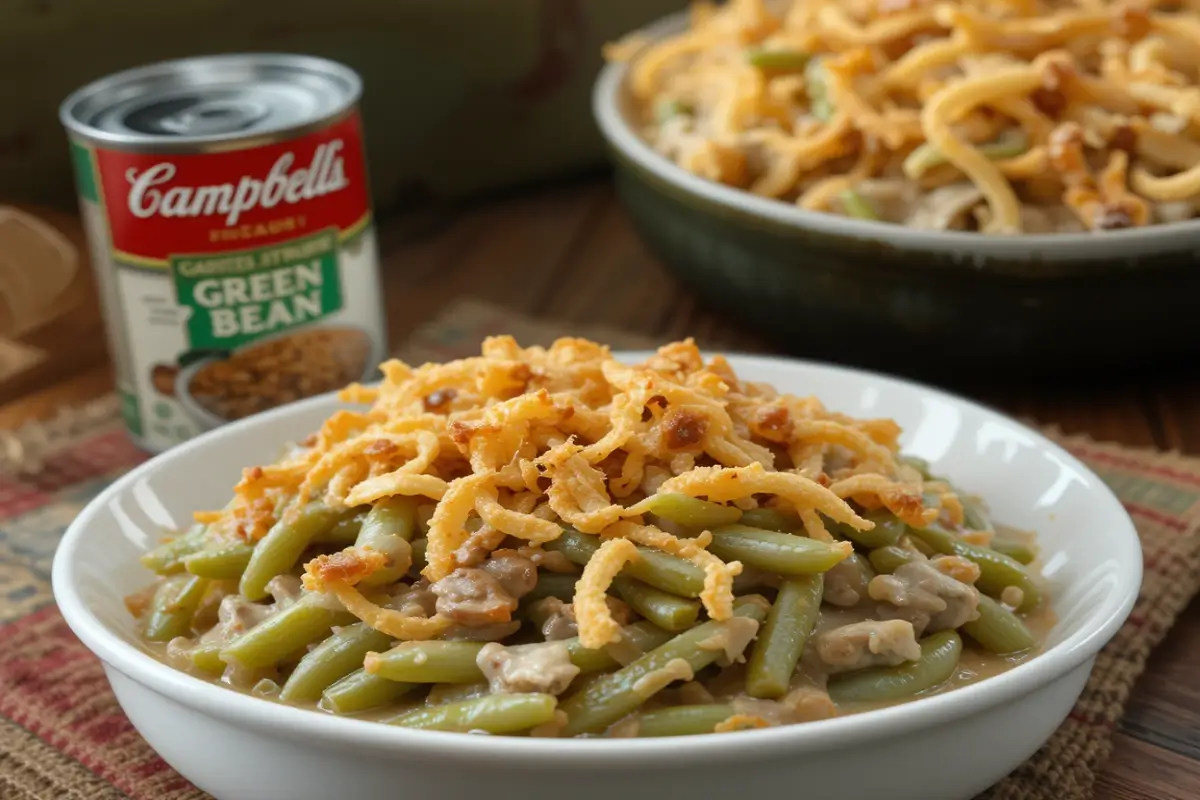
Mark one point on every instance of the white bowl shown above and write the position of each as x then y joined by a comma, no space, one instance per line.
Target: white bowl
951,745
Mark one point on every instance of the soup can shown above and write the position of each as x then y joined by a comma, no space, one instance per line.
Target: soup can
228,214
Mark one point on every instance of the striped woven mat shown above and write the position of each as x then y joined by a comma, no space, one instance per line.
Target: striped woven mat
63,736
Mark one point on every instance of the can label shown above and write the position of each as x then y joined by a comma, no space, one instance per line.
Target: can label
233,281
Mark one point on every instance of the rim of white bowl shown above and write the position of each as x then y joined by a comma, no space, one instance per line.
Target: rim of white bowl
1062,248
299,723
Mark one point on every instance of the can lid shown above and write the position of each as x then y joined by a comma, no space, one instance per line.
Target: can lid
197,101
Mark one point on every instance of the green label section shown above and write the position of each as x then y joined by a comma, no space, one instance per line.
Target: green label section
238,297
131,412
85,172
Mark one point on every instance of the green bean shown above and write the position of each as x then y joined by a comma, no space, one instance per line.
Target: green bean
781,641
683,720
847,582
552,584
931,499
167,557
174,604
584,680
577,547
887,531
887,560
442,693
207,658
920,465
924,158
999,630
278,551
455,661
424,515
344,532
910,542
784,553
285,632
939,659
1017,551
659,569
667,611
818,92
224,563
494,713
778,60
975,515
418,557
857,206
362,691
640,637
395,516
691,512
750,581
428,662
667,572
331,660
771,519
389,528
996,570
616,694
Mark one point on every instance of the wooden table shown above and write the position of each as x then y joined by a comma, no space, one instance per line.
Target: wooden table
567,251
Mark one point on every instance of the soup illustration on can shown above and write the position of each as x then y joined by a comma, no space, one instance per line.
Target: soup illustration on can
228,213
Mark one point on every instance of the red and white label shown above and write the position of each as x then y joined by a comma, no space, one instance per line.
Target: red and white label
163,204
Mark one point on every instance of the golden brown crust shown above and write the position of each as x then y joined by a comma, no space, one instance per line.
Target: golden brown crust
683,428
740,722
381,447
254,519
511,445
439,399
773,422
138,602
957,567
345,568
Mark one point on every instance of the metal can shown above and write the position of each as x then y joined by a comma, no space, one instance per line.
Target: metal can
228,214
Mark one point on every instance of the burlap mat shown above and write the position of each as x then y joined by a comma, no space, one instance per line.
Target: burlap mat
62,734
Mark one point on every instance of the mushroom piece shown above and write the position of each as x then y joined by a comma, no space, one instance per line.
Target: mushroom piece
945,208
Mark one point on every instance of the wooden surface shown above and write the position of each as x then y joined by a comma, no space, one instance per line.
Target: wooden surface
567,252
73,338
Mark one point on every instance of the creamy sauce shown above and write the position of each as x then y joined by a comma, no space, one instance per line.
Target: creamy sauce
722,684
976,665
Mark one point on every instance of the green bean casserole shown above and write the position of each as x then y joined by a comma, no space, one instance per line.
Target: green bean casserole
548,542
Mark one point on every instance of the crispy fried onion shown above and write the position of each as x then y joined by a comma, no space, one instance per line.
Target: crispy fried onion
477,494
741,722
722,484
517,443
717,595
903,500
339,573
596,624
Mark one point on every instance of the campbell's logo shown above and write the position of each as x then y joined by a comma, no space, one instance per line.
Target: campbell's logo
159,205
150,192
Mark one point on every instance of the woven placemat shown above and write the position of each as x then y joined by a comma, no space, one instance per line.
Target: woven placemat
63,736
